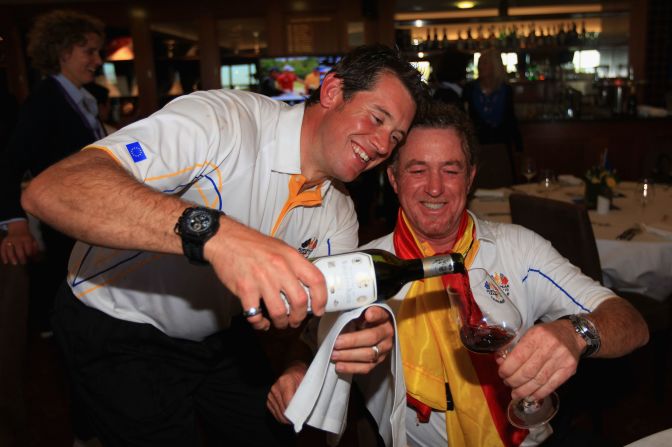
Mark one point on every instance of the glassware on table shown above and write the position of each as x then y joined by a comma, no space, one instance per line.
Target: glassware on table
547,180
529,168
490,323
645,192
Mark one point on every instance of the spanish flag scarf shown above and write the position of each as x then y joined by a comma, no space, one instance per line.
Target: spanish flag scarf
434,359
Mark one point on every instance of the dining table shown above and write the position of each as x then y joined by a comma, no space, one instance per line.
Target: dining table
660,439
639,262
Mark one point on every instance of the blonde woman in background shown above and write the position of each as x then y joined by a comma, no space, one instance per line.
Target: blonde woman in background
489,101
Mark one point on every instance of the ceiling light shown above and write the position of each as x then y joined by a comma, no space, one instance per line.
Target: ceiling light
419,23
465,5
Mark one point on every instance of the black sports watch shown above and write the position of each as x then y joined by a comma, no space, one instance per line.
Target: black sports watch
195,226
587,330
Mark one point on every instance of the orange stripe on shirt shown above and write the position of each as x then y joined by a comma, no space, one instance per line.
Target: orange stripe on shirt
311,197
118,276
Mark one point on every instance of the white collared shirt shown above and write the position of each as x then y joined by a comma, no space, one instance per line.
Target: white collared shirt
229,150
542,284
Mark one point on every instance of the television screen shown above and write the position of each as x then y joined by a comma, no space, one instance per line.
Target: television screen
292,79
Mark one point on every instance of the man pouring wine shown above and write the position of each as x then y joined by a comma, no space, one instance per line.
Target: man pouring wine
192,223
456,397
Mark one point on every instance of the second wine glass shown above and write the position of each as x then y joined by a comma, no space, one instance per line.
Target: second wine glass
529,168
490,323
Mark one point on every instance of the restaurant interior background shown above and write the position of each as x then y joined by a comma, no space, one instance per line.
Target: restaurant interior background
587,75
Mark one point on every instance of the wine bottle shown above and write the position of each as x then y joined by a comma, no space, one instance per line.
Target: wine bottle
362,277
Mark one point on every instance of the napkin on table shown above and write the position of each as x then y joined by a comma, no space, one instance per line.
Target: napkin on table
662,229
321,400
569,179
489,193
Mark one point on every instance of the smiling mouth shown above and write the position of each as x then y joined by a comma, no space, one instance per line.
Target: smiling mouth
363,155
433,206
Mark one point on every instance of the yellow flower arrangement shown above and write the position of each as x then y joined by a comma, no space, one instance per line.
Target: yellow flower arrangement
601,180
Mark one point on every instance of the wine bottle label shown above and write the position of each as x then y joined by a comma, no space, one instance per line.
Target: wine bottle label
438,265
350,278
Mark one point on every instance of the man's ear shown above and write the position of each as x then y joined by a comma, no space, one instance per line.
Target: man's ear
391,177
331,91
472,176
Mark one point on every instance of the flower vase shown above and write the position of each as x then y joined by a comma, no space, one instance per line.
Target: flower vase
591,193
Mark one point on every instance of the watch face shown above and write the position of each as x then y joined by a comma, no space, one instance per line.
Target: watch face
199,221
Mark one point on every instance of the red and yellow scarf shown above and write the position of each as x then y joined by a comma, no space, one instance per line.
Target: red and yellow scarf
433,355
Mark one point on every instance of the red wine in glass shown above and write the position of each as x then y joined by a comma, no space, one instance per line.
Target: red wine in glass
489,322
486,339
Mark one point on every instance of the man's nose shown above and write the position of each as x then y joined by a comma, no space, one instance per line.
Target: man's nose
434,186
382,143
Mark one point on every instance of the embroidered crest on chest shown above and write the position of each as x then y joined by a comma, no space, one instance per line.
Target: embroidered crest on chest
308,246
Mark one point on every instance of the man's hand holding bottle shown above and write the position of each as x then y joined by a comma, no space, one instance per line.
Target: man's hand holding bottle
257,268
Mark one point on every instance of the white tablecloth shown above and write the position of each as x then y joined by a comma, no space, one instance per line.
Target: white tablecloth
643,264
660,439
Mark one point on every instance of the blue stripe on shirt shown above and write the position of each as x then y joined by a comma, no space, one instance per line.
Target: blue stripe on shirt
543,275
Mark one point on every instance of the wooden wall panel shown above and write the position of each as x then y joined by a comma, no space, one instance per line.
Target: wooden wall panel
571,147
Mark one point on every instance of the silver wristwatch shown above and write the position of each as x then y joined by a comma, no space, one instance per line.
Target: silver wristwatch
587,330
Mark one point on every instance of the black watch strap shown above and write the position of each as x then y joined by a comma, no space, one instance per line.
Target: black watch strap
195,227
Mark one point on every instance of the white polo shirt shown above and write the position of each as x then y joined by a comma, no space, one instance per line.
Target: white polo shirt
542,284
229,150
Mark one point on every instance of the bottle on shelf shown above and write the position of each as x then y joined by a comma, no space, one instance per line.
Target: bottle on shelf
470,40
460,43
362,277
583,37
435,40
444,40
428,40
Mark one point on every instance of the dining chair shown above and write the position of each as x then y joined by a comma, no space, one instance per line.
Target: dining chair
495,167
566,225
568,228
657,164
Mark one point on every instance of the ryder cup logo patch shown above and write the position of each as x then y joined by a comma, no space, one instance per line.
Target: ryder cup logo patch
137,154
502,281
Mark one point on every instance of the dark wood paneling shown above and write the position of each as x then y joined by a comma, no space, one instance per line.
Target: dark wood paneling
571,147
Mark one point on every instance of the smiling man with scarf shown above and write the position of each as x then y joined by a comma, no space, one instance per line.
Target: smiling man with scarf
455,397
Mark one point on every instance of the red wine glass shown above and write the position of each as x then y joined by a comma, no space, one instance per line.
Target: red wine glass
489,322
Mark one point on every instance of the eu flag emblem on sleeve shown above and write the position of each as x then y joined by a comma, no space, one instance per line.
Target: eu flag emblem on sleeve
137,154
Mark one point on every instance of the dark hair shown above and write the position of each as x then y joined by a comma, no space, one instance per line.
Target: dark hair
56,32
360,69
438,115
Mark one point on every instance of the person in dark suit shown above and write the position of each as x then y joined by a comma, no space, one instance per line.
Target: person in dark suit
58,118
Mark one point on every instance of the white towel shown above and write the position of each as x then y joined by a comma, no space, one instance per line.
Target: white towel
321,400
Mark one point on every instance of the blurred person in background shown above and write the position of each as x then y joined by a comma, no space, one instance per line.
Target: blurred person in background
489,101
268,85
57,119
287,78
312,80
